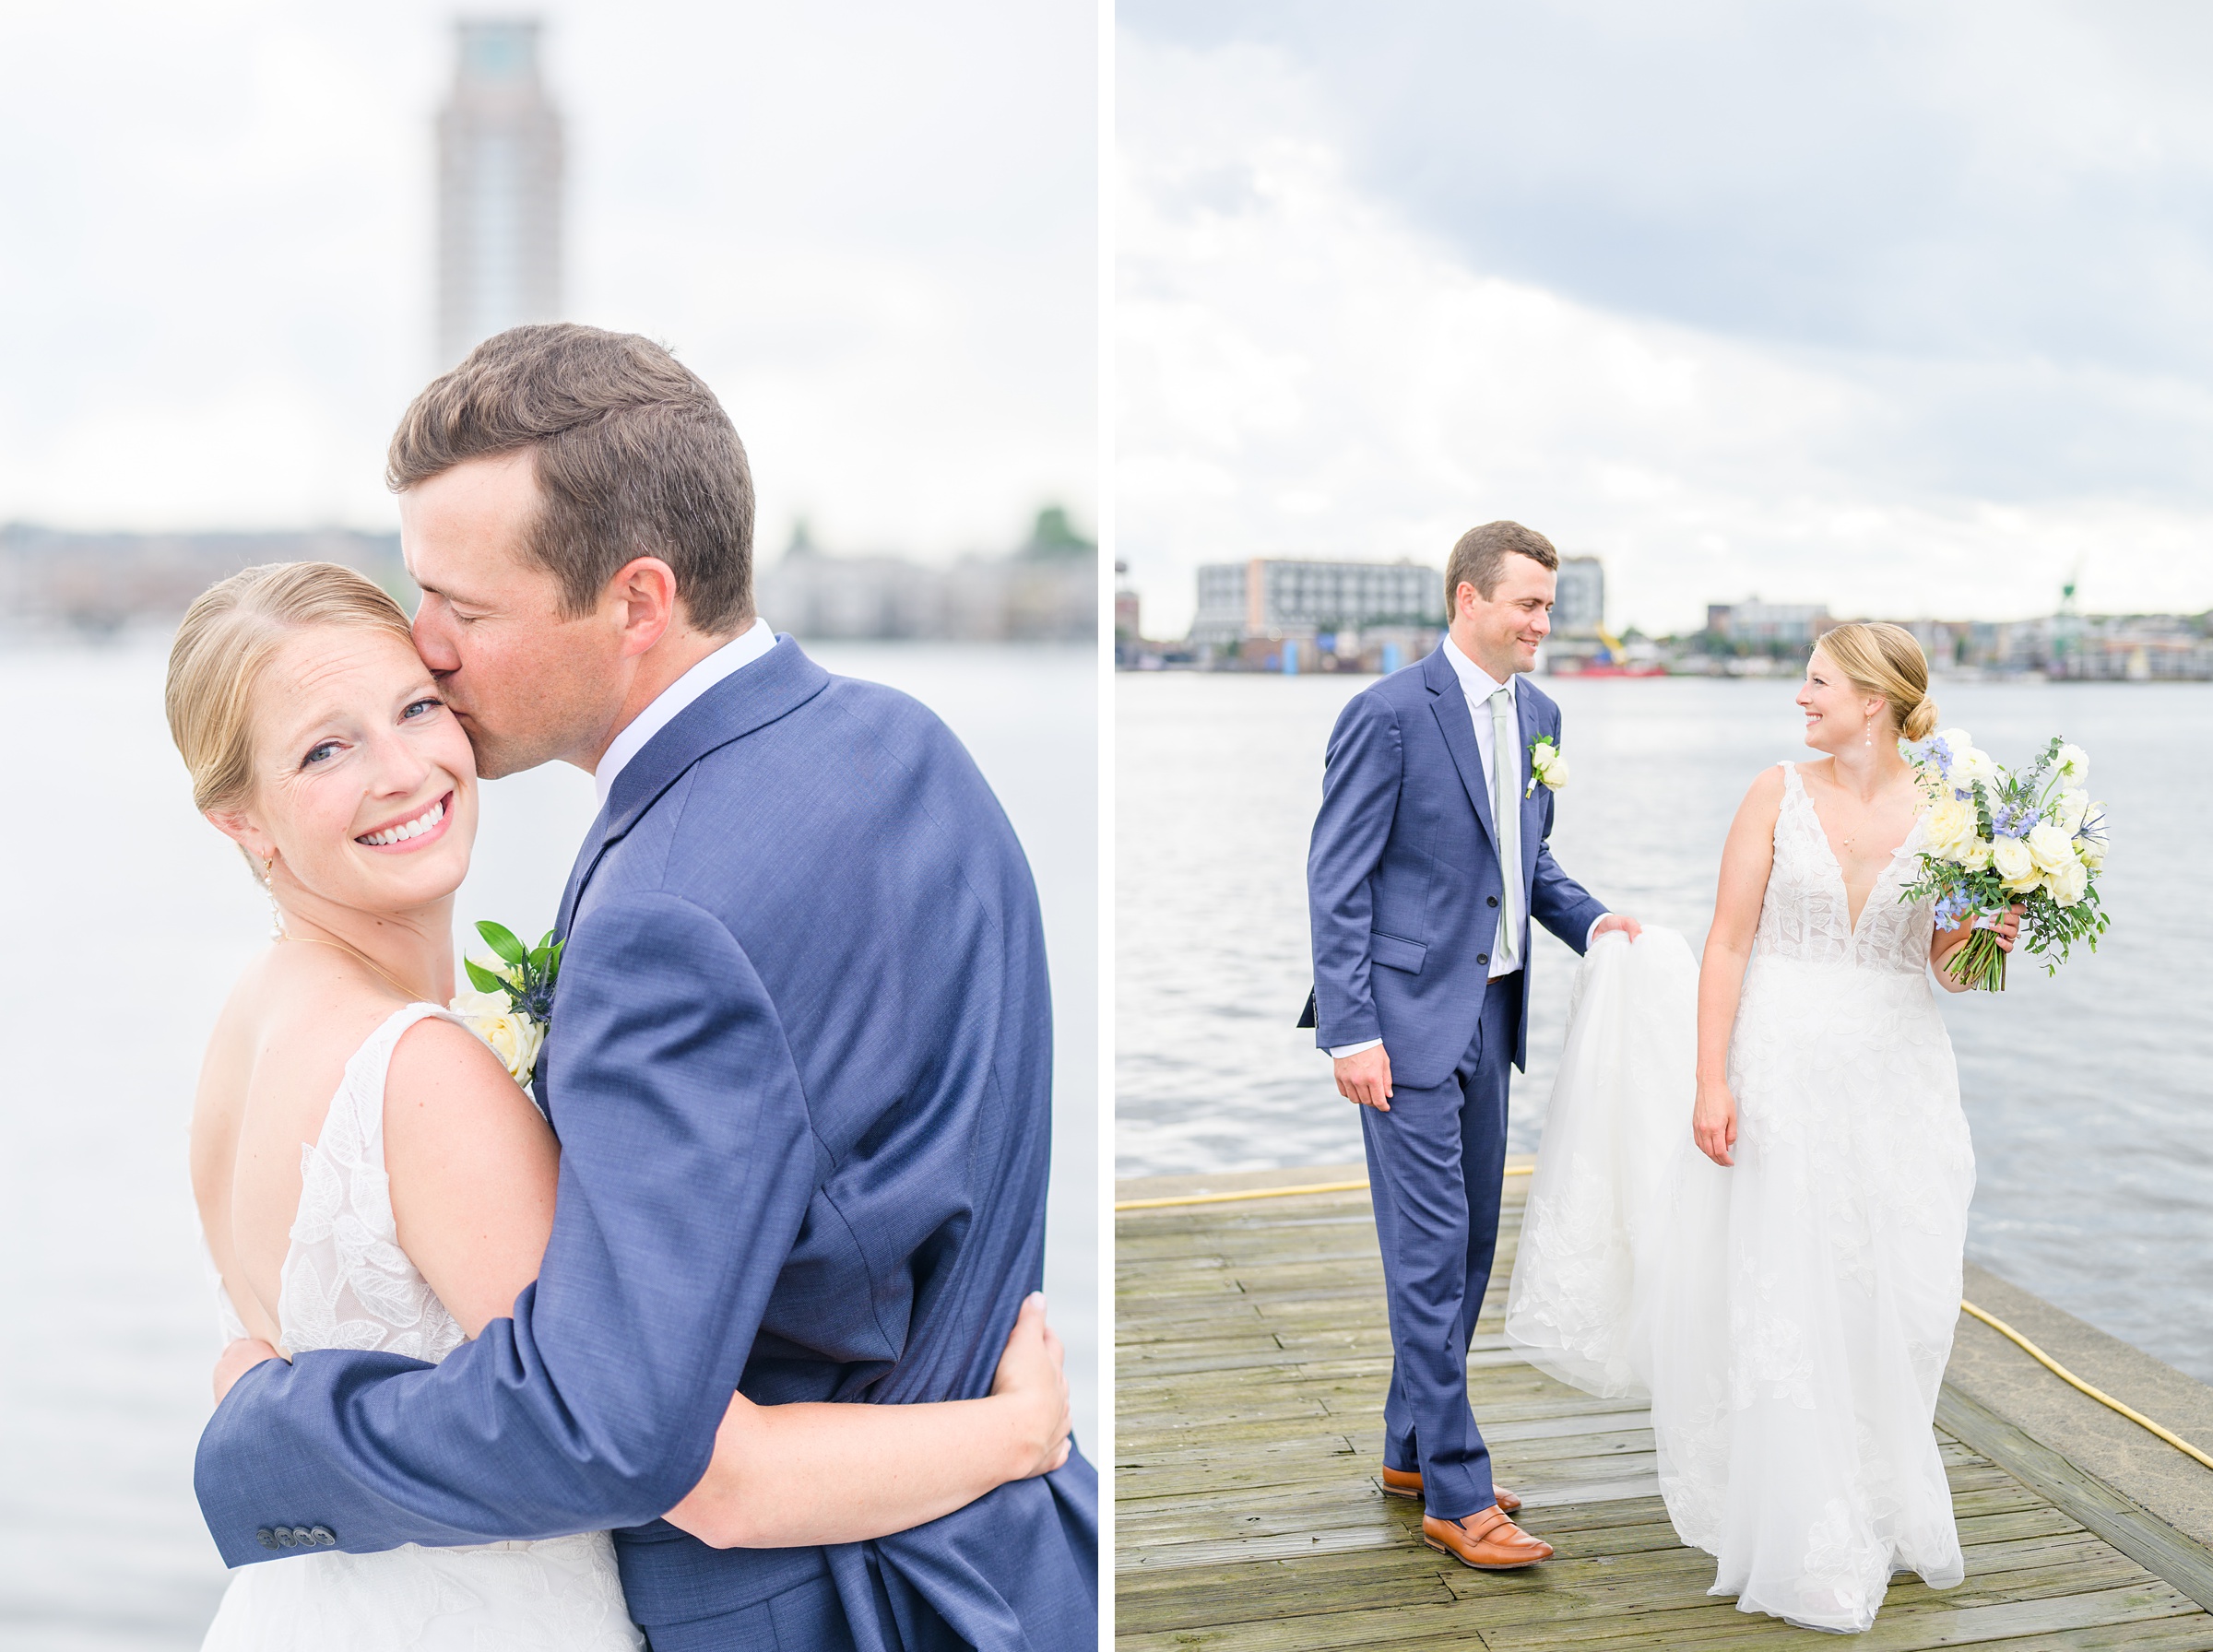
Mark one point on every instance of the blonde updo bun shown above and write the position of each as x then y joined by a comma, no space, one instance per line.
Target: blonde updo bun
227,638
1877,658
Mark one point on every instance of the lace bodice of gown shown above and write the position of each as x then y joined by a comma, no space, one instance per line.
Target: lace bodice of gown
346,1283
1806,914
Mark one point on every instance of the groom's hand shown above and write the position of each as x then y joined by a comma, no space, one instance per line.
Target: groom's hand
1365,1078
1618,920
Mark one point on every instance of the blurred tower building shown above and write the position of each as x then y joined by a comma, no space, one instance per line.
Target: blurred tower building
499,190
1578,607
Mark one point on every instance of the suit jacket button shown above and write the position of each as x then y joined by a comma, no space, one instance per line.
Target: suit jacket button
287,1537
1490,900
1483,958
325,1535
266,1539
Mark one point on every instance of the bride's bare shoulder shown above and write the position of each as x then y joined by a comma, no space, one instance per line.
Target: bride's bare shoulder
1765,793
291,1021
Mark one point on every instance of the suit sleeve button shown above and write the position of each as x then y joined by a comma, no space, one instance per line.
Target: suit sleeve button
266,1539
323,1535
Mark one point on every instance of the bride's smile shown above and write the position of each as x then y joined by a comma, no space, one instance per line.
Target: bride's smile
416,833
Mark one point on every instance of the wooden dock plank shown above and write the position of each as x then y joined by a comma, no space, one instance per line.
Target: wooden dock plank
1252,1353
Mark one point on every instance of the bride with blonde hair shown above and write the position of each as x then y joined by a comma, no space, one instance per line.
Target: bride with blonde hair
1782,1277
371,1176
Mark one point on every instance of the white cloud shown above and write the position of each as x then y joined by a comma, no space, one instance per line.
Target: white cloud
1303,371
870,227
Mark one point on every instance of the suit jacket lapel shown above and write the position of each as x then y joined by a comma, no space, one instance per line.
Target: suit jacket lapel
751,698
1530,722
1449,702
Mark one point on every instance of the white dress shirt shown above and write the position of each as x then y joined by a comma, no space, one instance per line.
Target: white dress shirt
1478,685
733,656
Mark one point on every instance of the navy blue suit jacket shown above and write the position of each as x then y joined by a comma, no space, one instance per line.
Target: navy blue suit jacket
1403,878
800,1066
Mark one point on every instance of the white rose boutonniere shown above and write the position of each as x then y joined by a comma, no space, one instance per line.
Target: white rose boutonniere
515,1038
1545,764
514,999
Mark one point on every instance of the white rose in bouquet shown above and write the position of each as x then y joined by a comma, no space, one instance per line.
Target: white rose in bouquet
2050,847
2015,866
1977,856
1968,763
1952,830
1970,768
2068,883
2074,765
2068,810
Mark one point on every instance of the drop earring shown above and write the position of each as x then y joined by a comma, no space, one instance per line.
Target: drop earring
269,886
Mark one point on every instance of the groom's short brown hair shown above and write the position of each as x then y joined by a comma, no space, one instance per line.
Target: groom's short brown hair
1479,558
634,457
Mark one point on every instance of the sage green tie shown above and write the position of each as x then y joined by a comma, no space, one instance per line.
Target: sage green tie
1505,816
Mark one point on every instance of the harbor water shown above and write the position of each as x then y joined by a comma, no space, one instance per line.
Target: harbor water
127,917
2090,1094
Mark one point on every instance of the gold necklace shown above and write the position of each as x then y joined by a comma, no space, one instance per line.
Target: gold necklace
405,991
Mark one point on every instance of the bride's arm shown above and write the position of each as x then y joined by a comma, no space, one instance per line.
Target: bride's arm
473,1171
1746,860
786,1476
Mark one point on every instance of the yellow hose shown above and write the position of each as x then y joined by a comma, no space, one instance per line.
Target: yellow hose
2064,1376
1223,1198
1992,1320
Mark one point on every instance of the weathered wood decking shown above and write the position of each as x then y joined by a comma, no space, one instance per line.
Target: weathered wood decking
1251,1356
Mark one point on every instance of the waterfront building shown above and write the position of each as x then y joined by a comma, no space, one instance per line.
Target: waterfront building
100,581
499,190
1578,607
1794,624
1127,635
1045,590
1268,598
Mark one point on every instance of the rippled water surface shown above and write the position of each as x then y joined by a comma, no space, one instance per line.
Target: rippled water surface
126,917
2090,1095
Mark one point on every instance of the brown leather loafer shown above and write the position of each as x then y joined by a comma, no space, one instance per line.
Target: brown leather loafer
1407,1482
1486,1539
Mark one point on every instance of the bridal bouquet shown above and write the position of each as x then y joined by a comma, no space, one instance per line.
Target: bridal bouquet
514,999
1998,837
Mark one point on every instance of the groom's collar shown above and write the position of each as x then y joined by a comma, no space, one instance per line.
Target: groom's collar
778,682
750,644
1478,684
769,687
1445,668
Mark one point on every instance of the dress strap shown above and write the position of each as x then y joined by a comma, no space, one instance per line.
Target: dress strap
363,1090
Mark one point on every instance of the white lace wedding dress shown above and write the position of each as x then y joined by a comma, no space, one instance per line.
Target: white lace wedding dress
1790,1318
347,1284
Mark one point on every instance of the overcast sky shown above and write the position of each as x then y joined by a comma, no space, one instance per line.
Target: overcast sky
1905,308
870,226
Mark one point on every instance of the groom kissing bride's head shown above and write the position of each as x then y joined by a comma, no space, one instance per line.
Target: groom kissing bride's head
578,509
787,1135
